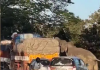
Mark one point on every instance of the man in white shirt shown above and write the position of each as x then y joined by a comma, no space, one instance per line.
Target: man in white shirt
44,67
45,64
35,65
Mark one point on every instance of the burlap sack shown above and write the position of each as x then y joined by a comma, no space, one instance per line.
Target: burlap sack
39,45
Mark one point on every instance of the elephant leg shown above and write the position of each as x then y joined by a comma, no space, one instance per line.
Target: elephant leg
96,65
93,65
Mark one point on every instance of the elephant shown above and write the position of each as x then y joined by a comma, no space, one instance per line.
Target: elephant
70,50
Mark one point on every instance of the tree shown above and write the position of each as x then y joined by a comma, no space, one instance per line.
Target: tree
90,37
13,19
30,16
71,29
94,17
75,25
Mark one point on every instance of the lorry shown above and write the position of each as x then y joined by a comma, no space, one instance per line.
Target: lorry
5,54
28,47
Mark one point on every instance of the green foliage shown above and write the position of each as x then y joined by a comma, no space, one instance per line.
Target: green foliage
75,26
72,28
90,37
92,34
13,19
27,17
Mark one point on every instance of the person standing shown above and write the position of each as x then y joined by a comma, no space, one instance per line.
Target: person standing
35,65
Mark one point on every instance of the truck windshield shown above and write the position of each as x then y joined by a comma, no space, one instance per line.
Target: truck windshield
3,47
61,62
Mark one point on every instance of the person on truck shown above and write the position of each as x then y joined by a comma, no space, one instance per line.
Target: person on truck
35,65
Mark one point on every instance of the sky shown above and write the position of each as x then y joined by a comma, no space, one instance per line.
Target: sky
84,8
